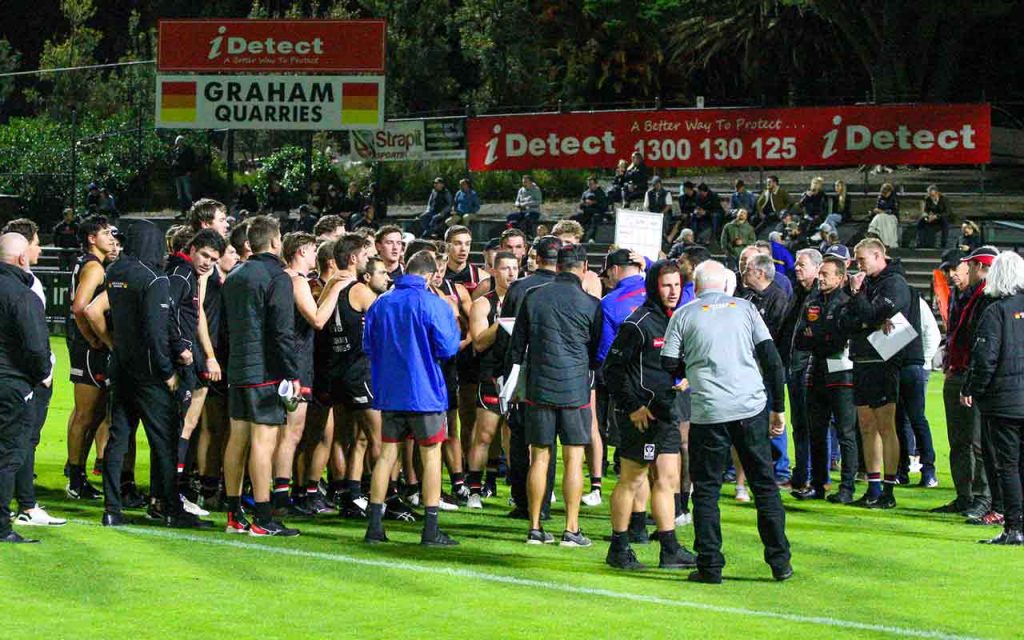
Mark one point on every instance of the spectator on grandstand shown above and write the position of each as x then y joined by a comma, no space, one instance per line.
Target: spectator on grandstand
378,199
183,164
245,200
467,203
277,203
813,201
738,234
885,224
315,197
709,212
839,205
592,209
636,177
935,214
659,200
65,236
970,237
687,205
307,219
92,198
439,206
107,206
743,199
994,380
781,254
332,201
352,202
773,201
528,201
618,188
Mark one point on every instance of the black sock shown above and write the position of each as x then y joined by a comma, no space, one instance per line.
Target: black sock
430,523
262,512
376,515
668,540
76,475
412,487
595,483
312,486
638,521
279,497
620,541
684,497
458,480
355,489
182,454
476,482
233,504
392,488
209,485
679,504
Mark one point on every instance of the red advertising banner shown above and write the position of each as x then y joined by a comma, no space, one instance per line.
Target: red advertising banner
831,136
303,46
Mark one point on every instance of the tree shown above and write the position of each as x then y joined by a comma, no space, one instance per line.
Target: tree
9,61
71,90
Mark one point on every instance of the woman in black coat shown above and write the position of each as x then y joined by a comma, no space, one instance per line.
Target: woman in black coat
995,381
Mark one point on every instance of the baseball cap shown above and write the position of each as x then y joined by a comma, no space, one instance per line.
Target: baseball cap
547,248
985,255
492,244
438,179
617,258
572,254
408,237
656,179
117,234
950,258
93,185
840,251
826,227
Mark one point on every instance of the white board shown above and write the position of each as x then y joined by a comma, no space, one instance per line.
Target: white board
640,231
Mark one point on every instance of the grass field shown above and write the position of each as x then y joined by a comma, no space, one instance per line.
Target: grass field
859,574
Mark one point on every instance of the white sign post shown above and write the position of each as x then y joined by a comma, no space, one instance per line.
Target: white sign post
640,231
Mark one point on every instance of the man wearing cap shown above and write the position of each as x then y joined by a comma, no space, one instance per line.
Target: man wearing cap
737,235
183,163
519,452
556,337
439,206
722,347
879,292
592,208
960,342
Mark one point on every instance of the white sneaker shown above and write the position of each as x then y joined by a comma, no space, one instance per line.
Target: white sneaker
445,505
592,499
414,499
37,517
362,503
684,519
475,501
193,508
742,495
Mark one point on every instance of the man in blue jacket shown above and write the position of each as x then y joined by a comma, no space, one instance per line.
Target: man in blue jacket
408,332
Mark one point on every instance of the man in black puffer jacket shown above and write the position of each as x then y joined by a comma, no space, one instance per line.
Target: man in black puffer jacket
259,304
879,293
560,324
648,423
994,381
142,377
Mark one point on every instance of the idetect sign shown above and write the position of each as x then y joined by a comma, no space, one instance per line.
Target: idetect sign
302,46
921,134
270,102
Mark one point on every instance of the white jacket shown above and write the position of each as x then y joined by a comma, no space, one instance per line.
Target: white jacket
887,228
930,335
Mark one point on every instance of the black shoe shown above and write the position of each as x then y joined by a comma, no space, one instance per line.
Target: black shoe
187,521
349,508
375,537
318,505
1009,537
114,519
955,506
884,501
783,574
808,493
903,480
518,513
396,509
300,508
439,539
704,577
625,559
155,511
13,537
866,500
84,491
681,558
639,536
271,528
976,511
843,496
131,497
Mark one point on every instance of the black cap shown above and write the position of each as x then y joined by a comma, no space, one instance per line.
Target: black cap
618,258
572,254
492,244
547,248
950,259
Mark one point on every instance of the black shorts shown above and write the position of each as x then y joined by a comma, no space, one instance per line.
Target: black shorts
487,396
426,428
682,406
571,425
260,405
875,384
643,448
88,365
354,392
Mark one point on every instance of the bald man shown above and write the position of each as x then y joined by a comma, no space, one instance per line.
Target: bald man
24,363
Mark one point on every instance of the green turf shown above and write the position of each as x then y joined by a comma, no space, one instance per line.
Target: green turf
906,570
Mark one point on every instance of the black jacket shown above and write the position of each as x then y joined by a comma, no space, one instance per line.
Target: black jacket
820,332
794,359
184,292
559,323
996,375
772,304
24,338
140,307
880,298
259,307
632,369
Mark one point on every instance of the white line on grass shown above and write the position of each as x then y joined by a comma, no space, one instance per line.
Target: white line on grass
542,584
